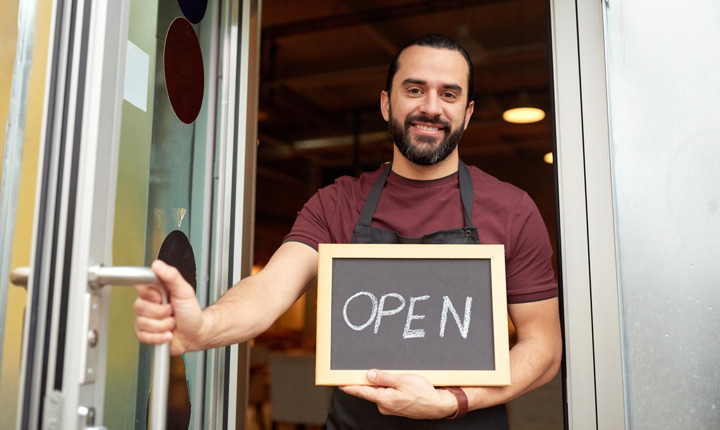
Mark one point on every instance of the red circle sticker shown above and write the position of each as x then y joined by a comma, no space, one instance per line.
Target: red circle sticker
184,72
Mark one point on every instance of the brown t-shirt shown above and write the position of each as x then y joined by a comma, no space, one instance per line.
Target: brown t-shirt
502,213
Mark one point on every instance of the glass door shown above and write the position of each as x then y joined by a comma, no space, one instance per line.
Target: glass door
24,26
142,157
164,184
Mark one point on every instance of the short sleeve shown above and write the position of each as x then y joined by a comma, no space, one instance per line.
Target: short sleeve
529,272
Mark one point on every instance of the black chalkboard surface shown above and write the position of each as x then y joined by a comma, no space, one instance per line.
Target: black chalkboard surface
436,310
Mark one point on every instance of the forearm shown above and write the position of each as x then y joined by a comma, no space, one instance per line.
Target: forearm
530,368
535,358
253,304
241,314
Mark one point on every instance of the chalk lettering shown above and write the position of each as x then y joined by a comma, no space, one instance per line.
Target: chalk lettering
382,312
447,305
373,299
409,333
380,309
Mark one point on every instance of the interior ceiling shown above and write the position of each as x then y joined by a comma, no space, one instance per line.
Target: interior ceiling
324,64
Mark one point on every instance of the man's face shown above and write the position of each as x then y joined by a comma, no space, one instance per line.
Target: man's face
427,110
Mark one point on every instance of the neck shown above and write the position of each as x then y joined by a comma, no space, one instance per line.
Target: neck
410,170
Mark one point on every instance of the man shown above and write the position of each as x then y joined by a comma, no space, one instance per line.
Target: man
425,196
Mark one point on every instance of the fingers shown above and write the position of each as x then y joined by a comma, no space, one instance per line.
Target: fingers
383,379
151,331
362,391
176,321
149,293
153,321
151,309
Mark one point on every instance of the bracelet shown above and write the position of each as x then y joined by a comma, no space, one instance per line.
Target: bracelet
462,402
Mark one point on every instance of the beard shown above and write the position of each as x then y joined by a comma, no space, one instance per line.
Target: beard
427,151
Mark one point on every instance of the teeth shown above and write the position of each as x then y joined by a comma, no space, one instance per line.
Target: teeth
426,128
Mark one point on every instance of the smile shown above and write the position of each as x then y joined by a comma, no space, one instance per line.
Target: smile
427,128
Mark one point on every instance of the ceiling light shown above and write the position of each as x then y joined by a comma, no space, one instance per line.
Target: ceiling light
548,158
523,111
523,115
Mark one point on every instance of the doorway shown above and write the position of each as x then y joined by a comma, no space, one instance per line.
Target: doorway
323,65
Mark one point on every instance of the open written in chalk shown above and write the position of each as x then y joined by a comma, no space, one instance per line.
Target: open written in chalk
436,310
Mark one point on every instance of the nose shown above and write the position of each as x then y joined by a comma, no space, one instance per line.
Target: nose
431,104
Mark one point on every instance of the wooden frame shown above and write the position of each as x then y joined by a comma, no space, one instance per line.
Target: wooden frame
358,263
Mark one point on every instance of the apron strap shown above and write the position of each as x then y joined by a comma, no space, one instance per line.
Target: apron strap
466,192
373,197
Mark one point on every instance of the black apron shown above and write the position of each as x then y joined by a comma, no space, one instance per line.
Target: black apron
350,412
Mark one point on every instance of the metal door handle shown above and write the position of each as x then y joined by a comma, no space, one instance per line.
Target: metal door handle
99,276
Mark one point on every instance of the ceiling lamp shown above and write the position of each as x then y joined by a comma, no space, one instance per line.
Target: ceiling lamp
524,111
548,158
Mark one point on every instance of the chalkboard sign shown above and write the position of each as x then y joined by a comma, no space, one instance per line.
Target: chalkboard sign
436,310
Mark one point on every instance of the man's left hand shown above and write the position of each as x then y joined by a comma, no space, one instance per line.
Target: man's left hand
408,395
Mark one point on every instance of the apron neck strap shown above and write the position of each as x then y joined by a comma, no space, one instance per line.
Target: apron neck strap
374,197
466,194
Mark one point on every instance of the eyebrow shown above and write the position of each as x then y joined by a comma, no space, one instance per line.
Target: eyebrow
411,81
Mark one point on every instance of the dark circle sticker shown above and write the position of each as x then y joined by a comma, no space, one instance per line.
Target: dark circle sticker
177,251
194,10
184,72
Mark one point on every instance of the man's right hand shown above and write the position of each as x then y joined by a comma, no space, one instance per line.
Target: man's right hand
180,321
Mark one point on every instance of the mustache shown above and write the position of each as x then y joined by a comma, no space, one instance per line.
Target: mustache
426,119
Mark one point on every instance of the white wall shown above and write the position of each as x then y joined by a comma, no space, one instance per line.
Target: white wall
663,61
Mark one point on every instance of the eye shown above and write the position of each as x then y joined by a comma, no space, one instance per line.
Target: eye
449,95
413,91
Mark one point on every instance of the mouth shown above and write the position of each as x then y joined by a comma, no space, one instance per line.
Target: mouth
428,129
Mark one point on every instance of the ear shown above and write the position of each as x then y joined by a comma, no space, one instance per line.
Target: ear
385,105
468,113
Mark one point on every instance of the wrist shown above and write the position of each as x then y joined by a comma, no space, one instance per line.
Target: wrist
461,400
202,337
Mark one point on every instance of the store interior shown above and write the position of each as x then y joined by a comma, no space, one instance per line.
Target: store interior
323,65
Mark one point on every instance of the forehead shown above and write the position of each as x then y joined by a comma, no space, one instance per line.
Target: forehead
432,65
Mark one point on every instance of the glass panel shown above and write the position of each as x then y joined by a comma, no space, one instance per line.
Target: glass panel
161,189
664,106
32,32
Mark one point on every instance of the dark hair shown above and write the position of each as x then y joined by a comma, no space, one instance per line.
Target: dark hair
433,41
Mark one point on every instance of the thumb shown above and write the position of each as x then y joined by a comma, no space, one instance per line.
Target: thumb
173,281
383,379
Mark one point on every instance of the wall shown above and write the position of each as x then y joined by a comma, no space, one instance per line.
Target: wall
664,90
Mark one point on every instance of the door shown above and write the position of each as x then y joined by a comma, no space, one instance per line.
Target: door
142,156
24,27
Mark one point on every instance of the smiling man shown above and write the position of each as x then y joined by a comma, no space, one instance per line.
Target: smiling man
436,111
426,195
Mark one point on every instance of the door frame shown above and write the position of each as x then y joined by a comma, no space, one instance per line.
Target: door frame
81,136
82,109
586,218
